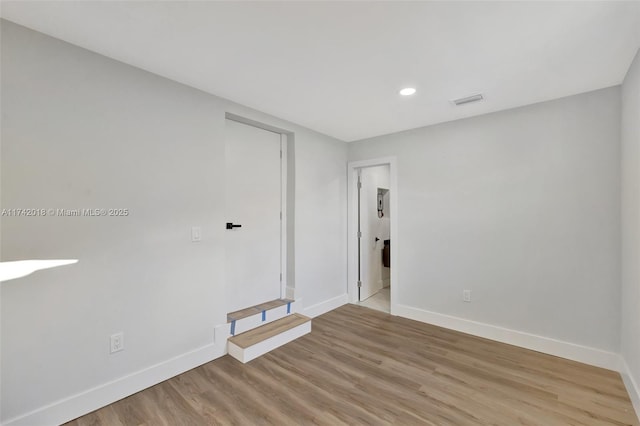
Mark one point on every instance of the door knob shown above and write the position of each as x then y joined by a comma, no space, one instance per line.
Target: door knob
231,225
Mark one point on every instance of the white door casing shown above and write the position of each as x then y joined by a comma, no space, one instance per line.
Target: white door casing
253,188
352,247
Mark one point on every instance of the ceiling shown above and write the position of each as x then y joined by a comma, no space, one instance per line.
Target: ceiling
337,67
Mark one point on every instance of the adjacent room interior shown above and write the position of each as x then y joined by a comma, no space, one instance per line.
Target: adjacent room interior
320,213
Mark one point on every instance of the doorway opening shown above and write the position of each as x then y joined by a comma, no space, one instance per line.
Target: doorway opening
372,231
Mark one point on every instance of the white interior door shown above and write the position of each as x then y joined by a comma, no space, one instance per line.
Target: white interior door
253,201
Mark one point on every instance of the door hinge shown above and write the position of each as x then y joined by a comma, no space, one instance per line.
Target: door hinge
359,234
359,185
359,284
280,153
280,276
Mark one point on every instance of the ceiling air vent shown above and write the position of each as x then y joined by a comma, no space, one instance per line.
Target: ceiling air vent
468,99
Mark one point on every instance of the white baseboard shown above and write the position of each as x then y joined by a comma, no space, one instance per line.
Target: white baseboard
326,306
631,385
85,402
572,351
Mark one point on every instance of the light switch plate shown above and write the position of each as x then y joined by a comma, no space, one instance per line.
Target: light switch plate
196,234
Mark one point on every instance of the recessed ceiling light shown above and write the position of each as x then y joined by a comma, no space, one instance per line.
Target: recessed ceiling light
407,91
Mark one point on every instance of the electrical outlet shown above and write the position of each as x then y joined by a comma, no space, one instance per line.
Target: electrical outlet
117,342
466,295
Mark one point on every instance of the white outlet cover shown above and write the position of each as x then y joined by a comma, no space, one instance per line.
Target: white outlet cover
466,295
117,342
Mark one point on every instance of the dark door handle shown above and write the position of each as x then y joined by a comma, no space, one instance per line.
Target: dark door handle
231,225
377,239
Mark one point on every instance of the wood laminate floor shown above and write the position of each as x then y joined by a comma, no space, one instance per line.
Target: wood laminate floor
360,366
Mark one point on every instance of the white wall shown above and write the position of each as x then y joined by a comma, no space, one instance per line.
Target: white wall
321,224
83,131
631,226
520,206
372,226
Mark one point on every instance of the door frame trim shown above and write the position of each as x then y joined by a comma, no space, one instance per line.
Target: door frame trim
352,226
283,217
